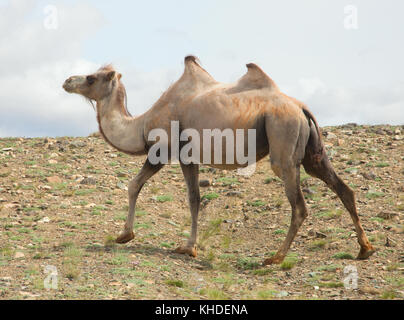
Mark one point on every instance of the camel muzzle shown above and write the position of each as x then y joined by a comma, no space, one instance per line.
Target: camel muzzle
67,85
72,83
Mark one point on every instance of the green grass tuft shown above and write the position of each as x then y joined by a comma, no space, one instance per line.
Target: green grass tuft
343,255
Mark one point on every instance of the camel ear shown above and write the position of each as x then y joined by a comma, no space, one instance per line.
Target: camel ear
119,76
110,75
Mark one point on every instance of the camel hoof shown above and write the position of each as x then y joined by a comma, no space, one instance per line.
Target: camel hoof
272,260
187,250
125,237
365,253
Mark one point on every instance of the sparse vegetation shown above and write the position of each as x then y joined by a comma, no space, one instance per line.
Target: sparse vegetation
343,255
73,226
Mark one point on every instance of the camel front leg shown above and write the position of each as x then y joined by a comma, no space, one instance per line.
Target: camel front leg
191,175
148,170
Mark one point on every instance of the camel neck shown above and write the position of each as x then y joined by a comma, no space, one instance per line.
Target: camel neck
118,128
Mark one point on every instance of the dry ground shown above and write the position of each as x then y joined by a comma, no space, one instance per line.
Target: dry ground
63,201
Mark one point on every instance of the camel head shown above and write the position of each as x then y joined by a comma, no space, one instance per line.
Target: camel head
96,86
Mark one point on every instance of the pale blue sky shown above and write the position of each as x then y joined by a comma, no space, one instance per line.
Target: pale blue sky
343,75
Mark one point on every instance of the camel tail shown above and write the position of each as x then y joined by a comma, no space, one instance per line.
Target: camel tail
315,146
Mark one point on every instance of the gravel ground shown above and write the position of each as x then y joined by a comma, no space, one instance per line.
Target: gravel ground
63,201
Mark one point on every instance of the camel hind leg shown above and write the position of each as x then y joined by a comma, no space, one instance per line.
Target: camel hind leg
291,178
322,169
287,140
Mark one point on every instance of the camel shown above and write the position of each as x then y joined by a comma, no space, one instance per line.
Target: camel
285,130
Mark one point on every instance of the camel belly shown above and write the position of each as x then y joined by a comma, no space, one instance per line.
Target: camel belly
225,148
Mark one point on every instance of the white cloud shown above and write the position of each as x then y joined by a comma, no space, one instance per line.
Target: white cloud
338,105
35,63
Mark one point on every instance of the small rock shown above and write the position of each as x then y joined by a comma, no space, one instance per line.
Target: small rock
331,136
282,294
347,132
316,234
308,191
320,235
12,205
386,215
339,142
234,194
54,179
204,203
19,255
122,174
52,161
390,243
204,183
6,279
44,220
369,175
89,181
95,135
77,144
121,186
397,138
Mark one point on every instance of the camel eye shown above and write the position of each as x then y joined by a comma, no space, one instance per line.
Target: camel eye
90,80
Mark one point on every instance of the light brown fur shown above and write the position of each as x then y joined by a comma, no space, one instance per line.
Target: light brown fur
286,130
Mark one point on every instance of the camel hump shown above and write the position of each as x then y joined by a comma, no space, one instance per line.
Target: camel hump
255,78
194,70
191,59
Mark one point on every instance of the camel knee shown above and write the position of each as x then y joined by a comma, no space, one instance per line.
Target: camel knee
276,169
134,188
300,216
195,199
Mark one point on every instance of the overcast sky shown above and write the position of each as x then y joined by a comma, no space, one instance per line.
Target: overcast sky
343,58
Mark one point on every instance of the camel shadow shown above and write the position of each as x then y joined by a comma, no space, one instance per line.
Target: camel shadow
150,250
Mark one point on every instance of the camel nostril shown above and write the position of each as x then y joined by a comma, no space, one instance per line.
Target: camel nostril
67,83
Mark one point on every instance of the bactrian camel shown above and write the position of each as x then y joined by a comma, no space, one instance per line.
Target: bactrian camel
285,129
